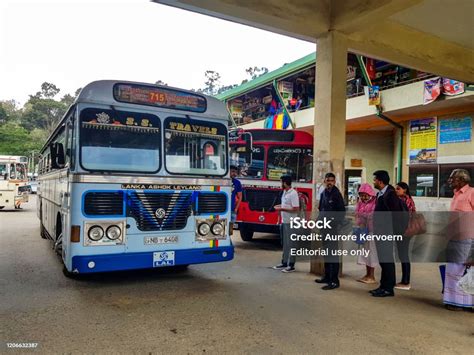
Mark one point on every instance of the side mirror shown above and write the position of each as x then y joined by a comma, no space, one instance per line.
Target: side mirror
57,156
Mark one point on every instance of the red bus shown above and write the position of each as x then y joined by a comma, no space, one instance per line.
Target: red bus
274,153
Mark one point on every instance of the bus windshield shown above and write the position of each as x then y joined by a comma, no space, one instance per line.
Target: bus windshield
114,140
195,147
296,162
254,170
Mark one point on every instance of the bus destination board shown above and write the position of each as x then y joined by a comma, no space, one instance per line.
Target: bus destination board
160,97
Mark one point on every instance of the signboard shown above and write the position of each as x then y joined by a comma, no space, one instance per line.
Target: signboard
161,97
423,141
276,174
432,89
455,130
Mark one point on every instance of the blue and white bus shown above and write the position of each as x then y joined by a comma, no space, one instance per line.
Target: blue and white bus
137,176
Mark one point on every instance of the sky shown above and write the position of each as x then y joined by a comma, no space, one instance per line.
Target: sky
72,42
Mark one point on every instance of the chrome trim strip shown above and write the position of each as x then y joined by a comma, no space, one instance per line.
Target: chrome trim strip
54,175
159,180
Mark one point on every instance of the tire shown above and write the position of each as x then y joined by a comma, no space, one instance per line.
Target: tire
59,235
43,231
71,275
246,234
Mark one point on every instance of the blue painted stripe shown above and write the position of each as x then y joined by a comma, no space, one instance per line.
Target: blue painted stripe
131,261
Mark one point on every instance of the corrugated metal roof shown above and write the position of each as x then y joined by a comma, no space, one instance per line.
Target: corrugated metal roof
267,78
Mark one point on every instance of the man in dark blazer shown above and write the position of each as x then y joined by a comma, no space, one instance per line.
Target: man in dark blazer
387,221
331,206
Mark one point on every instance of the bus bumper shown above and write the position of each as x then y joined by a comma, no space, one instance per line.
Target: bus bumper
83,264
260,227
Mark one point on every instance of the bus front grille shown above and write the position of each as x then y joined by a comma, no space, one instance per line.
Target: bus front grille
107,203
155,211
211,203
262,200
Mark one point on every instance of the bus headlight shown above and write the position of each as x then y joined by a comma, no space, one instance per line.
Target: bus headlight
204,229
95,233
113,232
217,229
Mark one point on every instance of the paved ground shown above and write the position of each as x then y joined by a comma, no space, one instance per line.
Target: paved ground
237,307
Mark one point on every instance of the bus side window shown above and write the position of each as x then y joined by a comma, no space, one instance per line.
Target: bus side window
69,151
61,139
3,172
12,172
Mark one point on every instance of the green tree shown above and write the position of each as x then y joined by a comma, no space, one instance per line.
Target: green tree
42,113
68,100
38,138
12,110
212,82
255,72
48,91
14,140
225,88
3,114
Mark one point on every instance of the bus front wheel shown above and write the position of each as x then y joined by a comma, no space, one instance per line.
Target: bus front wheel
246,234
71,275
43,232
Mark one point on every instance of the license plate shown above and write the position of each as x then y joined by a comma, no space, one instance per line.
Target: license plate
163,258
161,240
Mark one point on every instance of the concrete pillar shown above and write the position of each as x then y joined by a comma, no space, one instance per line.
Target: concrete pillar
330,114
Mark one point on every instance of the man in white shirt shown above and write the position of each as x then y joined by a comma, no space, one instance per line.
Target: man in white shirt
289,208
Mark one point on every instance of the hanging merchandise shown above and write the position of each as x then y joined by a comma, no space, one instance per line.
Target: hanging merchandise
286,121
274,121
268,122
370,66
273,104
279,121
432,89
452,87
373,95
267,99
